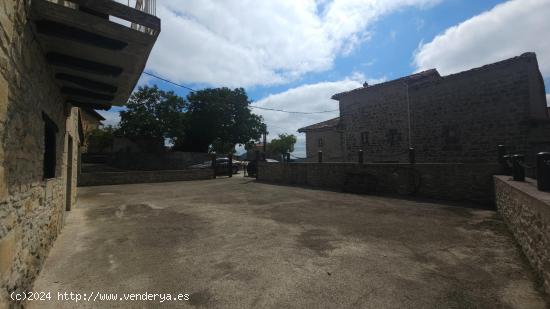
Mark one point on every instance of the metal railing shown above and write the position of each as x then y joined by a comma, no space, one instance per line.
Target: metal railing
121,11
146,6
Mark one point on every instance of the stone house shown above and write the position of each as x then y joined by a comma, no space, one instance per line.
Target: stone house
90,120
456,118
324,136
55,57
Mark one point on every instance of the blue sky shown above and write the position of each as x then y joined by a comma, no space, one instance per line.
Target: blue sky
294,55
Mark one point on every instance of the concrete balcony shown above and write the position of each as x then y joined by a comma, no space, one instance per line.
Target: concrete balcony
97,48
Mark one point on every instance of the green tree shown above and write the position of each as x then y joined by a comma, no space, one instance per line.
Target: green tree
153,113
100,139
282,144
218,119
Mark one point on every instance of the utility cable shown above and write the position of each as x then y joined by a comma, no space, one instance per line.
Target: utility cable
251,106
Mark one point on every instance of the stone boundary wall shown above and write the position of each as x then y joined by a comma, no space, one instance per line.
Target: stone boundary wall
448,181
156,161
142,161
129,177
526,211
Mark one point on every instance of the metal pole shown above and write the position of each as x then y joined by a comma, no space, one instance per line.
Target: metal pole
214,163
320,156
409,114
230,156
360,156
265,141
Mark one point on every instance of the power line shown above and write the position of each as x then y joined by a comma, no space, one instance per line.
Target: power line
292,112
251,106
169,81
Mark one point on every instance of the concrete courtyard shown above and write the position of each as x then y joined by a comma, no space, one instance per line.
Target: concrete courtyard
237,243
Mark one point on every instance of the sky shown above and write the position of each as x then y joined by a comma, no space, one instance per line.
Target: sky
294,55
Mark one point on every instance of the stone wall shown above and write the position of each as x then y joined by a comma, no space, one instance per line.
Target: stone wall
526,211
156,161
331,146
117,178
456,118
455,182
31,207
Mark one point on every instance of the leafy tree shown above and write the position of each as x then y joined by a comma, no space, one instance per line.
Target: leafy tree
281,145
153,113
100,139
217,120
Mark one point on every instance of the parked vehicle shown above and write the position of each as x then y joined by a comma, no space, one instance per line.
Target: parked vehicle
220,164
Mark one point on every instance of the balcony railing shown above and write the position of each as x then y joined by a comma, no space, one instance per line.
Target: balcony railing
147,6
125,12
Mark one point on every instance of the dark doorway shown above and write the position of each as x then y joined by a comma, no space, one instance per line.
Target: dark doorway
69,176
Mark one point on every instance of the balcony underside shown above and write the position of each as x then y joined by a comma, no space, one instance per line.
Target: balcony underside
96,62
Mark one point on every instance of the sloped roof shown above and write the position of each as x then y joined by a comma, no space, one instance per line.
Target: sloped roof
93,113
331,123
432,74
428,74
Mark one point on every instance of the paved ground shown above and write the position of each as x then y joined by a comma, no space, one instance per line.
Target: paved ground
235,243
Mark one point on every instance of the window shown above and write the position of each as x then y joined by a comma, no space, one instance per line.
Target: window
50,132
451,138
365,138
450,134
320,142
394,137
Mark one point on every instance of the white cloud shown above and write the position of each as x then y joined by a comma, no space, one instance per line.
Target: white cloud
306,98
247,43
112,118
507,30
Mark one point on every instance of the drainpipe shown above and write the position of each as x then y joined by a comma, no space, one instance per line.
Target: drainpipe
408,114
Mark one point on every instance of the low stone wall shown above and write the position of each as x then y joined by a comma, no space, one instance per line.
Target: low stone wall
156,161
30,222
449,181
526,211
129,177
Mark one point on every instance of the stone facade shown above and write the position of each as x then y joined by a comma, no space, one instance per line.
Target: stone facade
327,137
456,118
32,208
526,211
471,182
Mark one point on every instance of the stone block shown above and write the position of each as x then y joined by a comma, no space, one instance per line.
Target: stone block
4,93
4,304
6,19
7,253
3,183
